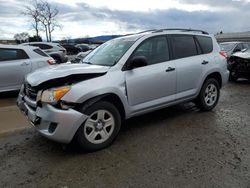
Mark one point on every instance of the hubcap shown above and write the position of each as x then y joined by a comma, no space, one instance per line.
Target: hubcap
99,126
211,94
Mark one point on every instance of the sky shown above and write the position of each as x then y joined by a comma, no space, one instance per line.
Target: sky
81,18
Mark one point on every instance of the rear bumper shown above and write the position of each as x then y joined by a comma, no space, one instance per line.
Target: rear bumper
55,124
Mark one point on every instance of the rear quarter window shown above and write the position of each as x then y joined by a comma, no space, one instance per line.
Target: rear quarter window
183,46
205,43
40,52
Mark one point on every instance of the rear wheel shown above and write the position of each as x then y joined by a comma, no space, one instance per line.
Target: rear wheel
57,60
101,127
209,95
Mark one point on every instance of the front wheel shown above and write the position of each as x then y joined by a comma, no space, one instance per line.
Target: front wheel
209,95
101,127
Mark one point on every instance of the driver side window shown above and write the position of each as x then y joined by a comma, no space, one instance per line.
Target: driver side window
238,48
155,50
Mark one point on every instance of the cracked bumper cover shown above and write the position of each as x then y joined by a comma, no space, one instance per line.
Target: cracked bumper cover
67,121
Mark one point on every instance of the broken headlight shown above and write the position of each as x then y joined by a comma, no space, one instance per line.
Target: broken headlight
54,95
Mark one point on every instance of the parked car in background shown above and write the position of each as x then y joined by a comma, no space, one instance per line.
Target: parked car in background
239,65
71,49
83,47
17,61
55,50
233,47
80,56
123,78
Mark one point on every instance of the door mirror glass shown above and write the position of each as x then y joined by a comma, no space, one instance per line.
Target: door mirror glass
243,50
138,61
237,50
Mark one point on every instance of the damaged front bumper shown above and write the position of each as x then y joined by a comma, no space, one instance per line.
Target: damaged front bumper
55,124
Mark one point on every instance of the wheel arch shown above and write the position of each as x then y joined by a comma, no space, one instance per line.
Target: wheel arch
109,97
216,75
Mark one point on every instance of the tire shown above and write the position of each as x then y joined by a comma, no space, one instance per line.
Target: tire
209,95
92,134
57,60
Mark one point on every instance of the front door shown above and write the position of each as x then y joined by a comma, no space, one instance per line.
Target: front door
155,83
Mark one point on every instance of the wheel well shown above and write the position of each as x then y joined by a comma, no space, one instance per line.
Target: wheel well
112,98
216,76
56,56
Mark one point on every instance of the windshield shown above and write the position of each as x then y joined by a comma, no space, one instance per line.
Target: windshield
227,47
109,53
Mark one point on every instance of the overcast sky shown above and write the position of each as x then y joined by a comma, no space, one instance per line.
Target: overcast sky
79,18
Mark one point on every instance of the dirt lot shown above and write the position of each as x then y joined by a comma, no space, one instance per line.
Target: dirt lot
175,147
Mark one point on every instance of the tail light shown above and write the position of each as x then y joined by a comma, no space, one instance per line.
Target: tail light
224,54
51,61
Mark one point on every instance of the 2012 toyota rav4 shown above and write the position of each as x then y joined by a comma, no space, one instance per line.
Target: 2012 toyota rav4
122,78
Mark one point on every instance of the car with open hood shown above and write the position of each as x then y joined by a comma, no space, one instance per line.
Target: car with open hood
239,65
124,77
233,47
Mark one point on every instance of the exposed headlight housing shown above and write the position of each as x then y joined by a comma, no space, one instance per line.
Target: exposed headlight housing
52,96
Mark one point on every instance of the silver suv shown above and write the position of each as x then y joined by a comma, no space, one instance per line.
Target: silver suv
55,50
122,78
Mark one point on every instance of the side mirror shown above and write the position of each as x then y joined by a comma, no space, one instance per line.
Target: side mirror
243,50
138,61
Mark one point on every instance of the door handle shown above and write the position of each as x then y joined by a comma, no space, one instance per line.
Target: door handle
204,62
24,64
169,69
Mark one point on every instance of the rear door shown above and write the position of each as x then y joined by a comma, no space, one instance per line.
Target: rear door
190,64
14,65
155,83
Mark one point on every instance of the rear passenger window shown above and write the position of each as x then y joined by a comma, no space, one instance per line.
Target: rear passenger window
12,54
154,49
40,52
183,46
206,44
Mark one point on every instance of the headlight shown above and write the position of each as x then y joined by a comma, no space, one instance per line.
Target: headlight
54,95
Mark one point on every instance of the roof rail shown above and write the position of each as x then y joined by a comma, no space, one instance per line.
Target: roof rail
151,30
180,29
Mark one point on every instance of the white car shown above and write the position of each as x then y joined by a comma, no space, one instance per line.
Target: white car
55,50
16,61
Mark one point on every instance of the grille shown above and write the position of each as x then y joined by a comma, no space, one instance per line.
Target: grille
30,92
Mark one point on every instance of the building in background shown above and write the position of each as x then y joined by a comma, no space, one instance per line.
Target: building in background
229,37
7,42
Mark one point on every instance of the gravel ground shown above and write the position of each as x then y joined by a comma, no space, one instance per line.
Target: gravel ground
174,147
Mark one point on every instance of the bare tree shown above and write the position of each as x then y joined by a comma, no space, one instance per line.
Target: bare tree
48,16
33,11
43,14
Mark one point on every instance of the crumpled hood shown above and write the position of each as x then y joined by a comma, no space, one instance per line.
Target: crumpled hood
63,70
244,55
